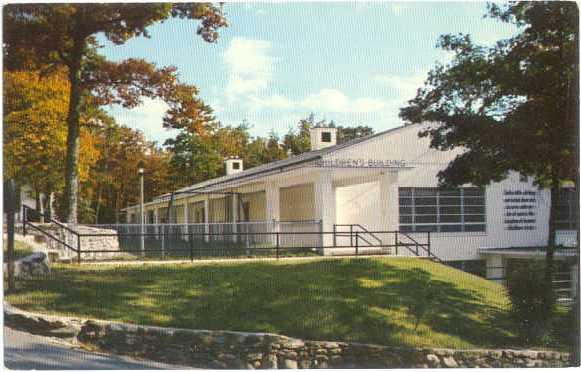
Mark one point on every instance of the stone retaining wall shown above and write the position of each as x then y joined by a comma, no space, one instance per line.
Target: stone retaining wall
89,244
241,350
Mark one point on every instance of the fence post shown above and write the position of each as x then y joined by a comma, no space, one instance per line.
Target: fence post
191,241
162,240
356,243
396,243
78,249
334,235
429,245
24,217
351,235
277,244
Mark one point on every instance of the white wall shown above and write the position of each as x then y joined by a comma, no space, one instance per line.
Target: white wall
359,203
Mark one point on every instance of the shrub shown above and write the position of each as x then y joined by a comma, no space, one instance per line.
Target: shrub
532,301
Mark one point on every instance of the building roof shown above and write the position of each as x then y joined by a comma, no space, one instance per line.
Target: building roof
275,165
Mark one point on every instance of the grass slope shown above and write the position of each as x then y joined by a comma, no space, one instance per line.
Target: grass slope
20,250
363,300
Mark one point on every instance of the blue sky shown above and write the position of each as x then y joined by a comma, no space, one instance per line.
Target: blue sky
354,63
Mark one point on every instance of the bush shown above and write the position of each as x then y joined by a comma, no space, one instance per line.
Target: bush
532,301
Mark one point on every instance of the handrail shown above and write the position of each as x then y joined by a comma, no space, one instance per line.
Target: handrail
52,220
53,237
364,230
370,233
420,245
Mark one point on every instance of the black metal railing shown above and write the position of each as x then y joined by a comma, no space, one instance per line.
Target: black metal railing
200,241
400,239
57,232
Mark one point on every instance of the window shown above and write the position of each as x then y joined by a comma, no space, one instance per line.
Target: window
236,165
423,209
326,137
567,210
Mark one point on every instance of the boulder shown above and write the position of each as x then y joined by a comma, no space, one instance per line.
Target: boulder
31,266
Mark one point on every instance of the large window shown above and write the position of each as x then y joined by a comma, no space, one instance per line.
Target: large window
431,209
567,210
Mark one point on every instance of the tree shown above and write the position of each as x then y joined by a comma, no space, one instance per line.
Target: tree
346,134
122,151
194,159
299,141
512,107
35,132
49,36
263,150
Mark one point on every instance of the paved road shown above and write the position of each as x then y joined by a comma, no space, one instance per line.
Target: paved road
26,351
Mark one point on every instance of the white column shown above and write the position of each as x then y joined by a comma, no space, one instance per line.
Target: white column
207,217
388,202
325,201
272,202
272,192
156,220
495,269
234,217
186,219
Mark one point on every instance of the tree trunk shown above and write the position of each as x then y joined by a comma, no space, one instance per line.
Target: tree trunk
98,206
71,193
38,205
549,298
50,205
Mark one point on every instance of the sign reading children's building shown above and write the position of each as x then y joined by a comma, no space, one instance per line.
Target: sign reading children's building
361,163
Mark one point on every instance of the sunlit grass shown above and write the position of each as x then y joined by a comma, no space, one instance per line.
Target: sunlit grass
362,300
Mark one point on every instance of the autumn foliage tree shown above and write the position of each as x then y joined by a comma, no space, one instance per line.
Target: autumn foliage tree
114,181
35,110
51,36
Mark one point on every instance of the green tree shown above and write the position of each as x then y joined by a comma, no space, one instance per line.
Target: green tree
346,134
512,106
299,140
263,150
194,159
52,35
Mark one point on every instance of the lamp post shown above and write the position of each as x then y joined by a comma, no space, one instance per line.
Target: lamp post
142,210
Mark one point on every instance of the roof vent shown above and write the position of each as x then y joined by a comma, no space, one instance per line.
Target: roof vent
322,137
233,165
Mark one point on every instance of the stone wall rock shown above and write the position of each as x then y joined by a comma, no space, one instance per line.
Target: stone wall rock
242,350
31,266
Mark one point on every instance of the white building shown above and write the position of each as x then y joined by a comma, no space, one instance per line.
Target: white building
380,183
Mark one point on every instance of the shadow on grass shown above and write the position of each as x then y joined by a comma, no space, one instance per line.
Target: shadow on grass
362,300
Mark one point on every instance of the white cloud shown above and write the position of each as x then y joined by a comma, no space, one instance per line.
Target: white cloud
273,102
249,67
147,118
402,87
333,100
326,100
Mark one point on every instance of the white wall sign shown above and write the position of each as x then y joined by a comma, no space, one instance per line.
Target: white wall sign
520,209
360,163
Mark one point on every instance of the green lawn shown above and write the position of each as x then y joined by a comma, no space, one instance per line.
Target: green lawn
20,250
364,300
